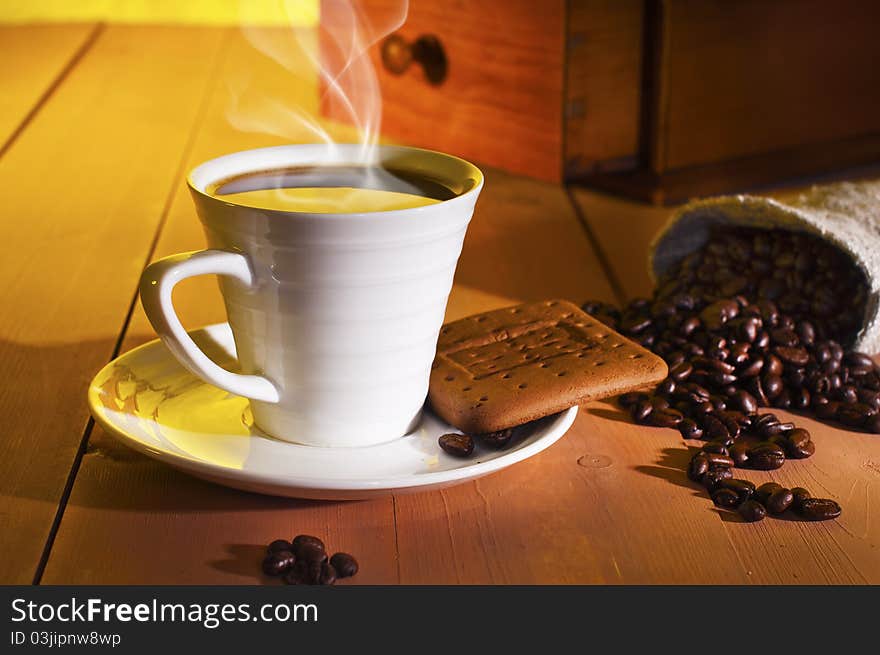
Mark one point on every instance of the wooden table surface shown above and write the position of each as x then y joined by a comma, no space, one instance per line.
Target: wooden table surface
98,126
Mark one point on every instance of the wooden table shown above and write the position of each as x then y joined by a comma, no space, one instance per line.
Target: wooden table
98,126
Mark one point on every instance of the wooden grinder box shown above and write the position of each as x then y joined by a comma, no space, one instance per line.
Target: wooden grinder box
656,99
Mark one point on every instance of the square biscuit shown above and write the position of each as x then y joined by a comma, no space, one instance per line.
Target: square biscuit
507,367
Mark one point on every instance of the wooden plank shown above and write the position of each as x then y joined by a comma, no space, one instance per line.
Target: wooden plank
772,552
33,59
524,243
84,187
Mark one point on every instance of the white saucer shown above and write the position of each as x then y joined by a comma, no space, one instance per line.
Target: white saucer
152,404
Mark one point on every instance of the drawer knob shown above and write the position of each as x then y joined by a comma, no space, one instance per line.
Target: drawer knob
397,55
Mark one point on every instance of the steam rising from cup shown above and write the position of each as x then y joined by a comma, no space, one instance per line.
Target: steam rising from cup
346,75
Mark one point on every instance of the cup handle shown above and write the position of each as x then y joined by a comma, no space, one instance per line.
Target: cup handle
157,282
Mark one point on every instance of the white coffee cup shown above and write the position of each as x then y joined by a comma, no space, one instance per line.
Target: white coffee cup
335,316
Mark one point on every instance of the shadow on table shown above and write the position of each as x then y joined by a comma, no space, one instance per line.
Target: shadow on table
671,467
244,560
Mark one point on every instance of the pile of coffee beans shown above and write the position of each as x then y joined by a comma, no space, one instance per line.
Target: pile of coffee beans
304,561
462,445
754,319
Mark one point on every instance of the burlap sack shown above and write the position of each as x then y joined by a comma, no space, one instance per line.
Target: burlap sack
846,214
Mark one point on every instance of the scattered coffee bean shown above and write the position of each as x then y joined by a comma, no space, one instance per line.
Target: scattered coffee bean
305,540
764,491
754,319
496,440
328,574
743,489
457,445
280,544
799,495
698,467
779,501
752,511
689,429
306,562
666,418
739,453
766,457
344,564
725,498
277,562
818,509
714,476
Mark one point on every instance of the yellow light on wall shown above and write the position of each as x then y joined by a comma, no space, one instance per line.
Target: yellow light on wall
296,13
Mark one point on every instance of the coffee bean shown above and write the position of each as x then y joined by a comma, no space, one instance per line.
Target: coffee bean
855,414
827,411
666,418
641,410
873,424
784,337
715,447
310,552
298,574
725,498
278,545
806,333
763,492
711,479
795,356
801,452
714,428
278,562
779,501
766,458
659,402
752,511
818,509
457,445
799,494
751,369
496,440
718,460
344,564
773,365
302,539
681,372
667,387
730,423
855,358
743,488
327,575
698,467
689,429
769,429
772,385
739,453
869,397
756,388
798,436
800,398
719,403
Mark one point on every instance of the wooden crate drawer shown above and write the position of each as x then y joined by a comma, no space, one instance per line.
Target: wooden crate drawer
742,78
510,97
